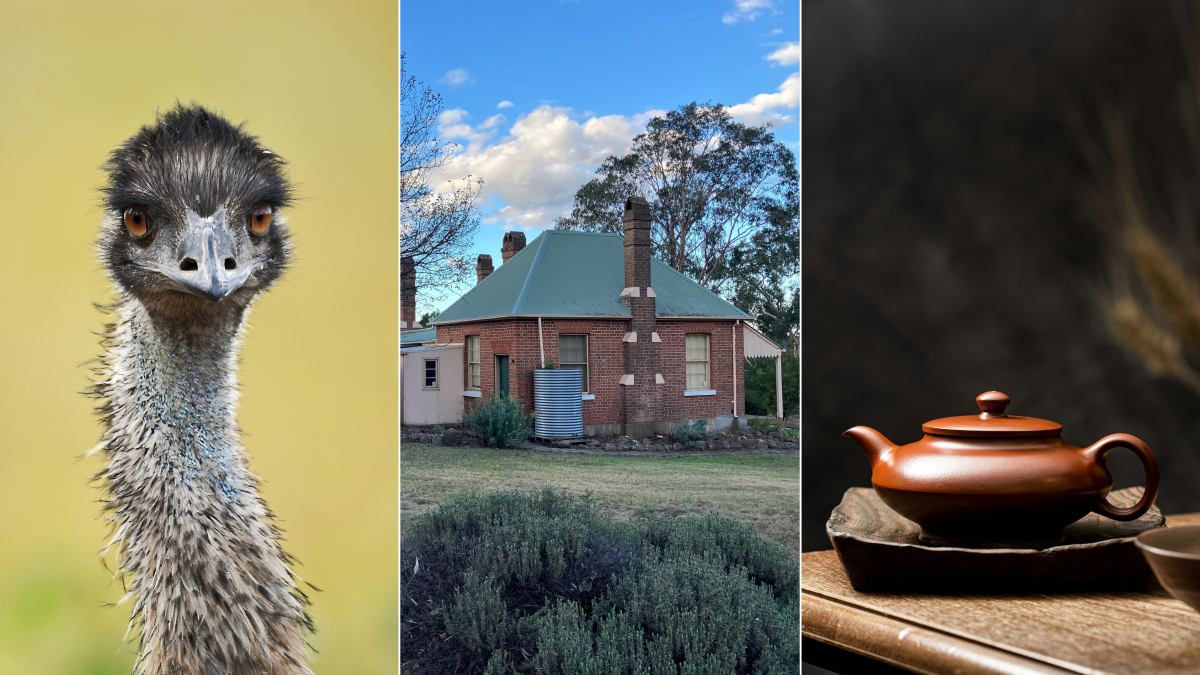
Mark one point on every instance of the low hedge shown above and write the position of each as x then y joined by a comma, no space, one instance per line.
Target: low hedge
544,583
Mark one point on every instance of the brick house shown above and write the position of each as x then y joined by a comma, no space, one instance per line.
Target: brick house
655,347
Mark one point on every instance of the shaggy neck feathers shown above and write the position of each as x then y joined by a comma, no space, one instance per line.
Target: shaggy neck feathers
214,592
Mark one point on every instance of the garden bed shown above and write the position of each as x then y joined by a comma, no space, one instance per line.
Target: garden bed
770,438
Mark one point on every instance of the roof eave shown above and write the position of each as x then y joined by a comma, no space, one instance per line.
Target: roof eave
619,317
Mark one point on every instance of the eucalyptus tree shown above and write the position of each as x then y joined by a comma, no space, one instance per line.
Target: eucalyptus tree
714,186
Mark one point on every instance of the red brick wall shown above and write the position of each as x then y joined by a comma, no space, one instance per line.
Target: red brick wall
671,362
606,363
517,338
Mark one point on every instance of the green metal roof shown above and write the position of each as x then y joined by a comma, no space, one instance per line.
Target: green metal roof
566,273
418,335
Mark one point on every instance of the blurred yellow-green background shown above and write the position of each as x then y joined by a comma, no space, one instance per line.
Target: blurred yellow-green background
317,81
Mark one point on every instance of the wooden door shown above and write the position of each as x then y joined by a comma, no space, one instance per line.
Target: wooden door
502,375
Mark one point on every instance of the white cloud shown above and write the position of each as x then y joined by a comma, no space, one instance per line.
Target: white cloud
452,123
493,121
531,174
452,116
546,156
456,77
453,126
766,108
777,31
504,104
746,10
786,55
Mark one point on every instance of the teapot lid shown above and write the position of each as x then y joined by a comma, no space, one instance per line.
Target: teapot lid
992,421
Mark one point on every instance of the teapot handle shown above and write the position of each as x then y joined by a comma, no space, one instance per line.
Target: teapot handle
1099,450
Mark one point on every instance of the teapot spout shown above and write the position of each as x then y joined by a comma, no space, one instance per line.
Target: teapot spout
872,442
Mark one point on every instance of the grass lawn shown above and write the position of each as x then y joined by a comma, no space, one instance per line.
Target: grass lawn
759,489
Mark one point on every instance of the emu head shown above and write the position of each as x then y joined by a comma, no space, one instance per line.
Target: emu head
192,213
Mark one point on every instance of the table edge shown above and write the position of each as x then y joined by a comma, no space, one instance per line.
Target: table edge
907,645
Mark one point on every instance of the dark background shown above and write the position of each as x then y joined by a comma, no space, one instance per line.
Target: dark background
949,242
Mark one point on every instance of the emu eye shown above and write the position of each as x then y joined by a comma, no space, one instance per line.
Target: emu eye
136,221
260,218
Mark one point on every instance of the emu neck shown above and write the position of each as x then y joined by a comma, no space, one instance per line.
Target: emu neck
215,595
180,383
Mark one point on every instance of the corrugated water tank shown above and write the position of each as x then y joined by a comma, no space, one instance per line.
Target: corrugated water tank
558,400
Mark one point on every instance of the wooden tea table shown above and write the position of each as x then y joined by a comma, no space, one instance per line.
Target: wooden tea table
1133,632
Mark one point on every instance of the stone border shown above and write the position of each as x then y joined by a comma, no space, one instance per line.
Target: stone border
753,442
656,453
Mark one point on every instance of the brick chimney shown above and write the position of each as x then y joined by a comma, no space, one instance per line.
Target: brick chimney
483,268
641,360
408,293
513,243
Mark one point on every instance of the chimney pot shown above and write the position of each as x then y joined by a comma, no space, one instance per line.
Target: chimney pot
513,243
636,220
483,267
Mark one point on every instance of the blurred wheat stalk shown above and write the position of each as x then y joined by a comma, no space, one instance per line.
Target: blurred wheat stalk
1151,301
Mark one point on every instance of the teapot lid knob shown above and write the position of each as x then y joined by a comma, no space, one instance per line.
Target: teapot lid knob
992,403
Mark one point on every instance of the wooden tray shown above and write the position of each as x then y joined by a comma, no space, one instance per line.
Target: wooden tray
880,549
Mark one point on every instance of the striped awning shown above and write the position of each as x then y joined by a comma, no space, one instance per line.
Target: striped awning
758,345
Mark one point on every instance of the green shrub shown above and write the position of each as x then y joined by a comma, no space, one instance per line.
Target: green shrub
499,421
549,365
439,429
673,614
544,581
688,434
477,618
733,541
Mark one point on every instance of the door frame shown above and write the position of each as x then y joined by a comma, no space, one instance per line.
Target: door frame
507,360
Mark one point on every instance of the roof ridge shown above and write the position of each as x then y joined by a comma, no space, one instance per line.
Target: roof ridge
582,232
477,284
530,274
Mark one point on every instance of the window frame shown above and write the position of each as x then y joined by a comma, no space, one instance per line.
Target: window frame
707,362
437,373
478,386
587,366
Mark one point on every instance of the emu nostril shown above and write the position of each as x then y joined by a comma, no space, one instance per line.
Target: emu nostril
230,264
189,265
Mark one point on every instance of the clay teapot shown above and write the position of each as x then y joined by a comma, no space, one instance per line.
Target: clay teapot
995,480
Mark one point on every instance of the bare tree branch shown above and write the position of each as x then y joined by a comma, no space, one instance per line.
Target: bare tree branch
437,227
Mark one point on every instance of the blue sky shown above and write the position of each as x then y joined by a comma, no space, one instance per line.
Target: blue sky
537,94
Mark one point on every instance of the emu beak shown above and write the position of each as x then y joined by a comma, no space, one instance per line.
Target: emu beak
207,264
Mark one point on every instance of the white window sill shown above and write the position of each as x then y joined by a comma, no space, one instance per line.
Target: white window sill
700,392
473,394
589,397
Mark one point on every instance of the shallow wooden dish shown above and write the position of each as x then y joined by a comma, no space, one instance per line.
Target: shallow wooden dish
881,549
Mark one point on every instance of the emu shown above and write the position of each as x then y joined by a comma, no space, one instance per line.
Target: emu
191,235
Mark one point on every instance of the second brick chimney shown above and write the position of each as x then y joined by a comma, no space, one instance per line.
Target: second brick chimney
408,293
483,267
513,243
641,360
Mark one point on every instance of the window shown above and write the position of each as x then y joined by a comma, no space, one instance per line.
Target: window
431,374
573,353
473,362
697,361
